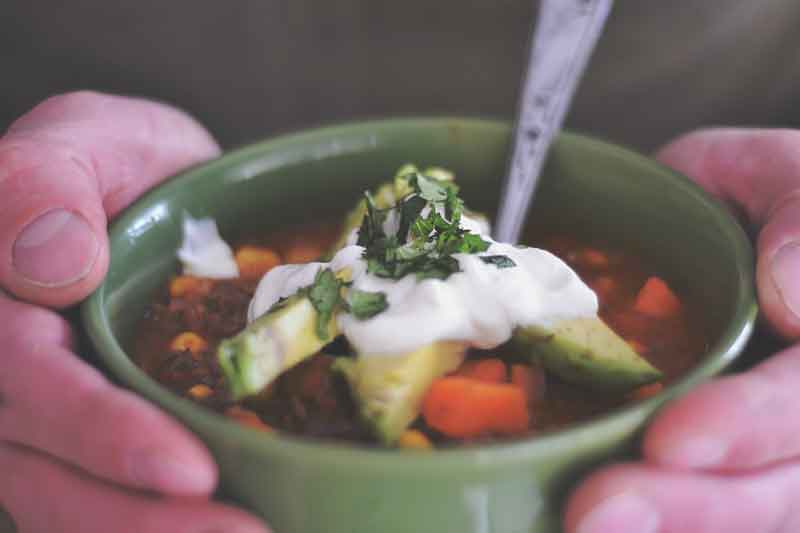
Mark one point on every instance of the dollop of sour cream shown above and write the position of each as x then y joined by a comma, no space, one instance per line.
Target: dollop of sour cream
203,253
481,305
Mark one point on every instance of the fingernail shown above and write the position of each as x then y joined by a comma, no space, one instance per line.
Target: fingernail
624,513
161,472
698,452
56,249
785,270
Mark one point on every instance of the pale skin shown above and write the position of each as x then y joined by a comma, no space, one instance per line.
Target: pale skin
80,455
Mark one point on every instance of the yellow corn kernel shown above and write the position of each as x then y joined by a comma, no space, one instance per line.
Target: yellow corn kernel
200,391
181,286
255,261
413,439
188,341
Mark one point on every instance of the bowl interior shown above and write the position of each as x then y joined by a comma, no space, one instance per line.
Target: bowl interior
588,186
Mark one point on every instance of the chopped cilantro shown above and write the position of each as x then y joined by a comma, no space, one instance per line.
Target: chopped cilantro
425,241
365,304
500,261
324,295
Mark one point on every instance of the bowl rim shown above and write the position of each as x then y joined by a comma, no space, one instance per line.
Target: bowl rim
378,461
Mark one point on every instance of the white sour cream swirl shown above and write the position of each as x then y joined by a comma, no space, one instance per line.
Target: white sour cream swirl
480,305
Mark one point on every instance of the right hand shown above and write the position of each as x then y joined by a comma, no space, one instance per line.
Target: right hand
78,455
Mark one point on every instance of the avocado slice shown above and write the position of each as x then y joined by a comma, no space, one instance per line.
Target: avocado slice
272,344
389,389
585,351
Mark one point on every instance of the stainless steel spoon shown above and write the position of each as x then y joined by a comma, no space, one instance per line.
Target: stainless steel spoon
565,36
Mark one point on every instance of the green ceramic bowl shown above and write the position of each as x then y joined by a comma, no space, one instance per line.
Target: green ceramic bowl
305,487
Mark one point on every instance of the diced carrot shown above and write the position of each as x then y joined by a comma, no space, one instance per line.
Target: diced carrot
413,439
182,286
604,286
302,252
594,258
188,341
463,407
247,418
491,370
200,391
646,391
656,299
530,380
255,261
638,346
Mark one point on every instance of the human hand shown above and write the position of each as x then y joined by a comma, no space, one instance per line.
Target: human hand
78,455
726,457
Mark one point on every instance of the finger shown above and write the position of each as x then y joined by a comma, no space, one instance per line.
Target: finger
738,422
52,401
45,496
642,499
758,172
68,165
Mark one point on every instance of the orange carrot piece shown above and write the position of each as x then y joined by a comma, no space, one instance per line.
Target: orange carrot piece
188,341
646,391
529,379
302,252
657,300
182,286
638,346
491,370
604,287
594,258
255,261
247,417
464,407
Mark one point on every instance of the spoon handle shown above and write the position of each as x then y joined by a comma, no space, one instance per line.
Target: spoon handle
565,36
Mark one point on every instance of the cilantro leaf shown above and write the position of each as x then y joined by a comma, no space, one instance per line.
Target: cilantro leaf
372,225
423,244
410,210
430,189
500,261
366,304
324,295
473,244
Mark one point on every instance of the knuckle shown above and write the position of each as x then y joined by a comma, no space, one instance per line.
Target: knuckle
26,326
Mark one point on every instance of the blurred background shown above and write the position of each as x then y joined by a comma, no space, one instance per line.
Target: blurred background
252,68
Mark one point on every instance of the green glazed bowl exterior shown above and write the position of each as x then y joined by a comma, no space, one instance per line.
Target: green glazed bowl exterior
306,487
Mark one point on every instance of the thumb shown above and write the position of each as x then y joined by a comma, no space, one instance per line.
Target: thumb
756,171
66,168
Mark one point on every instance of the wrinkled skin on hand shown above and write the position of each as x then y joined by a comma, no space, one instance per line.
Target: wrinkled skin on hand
77,454
726,457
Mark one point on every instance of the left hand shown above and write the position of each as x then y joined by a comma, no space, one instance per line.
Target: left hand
725,458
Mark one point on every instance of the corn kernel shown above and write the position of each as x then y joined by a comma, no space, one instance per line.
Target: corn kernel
188,341
200,392
413,439
182,286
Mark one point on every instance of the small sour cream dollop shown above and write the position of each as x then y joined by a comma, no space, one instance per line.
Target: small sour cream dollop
480,305
203,253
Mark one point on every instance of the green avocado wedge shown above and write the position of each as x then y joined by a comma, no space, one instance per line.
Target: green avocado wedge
587,352
272,344
389,390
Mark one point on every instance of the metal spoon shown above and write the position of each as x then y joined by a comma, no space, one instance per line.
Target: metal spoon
565,36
